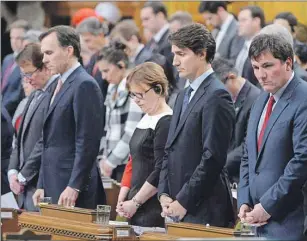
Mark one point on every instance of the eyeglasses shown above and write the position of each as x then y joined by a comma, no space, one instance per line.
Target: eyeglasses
28,75
139,96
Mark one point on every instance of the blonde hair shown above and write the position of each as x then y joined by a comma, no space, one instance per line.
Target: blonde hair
151,74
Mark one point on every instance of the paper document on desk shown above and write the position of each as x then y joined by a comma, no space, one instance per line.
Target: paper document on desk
8,201
140,230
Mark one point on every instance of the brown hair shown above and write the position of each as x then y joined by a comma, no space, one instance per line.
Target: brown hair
126,29
31,53
150,74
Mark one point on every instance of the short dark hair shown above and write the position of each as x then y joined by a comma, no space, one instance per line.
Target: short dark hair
274,44
301,52
126,29
195,37
222,68
31,53
114,53
67,36
156,7
211,7
289,17
256,12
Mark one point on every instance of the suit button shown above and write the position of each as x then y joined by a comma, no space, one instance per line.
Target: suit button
257,173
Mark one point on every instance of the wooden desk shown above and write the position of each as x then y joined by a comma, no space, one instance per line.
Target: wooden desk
111,188
72,224
198,231
9,220
177,231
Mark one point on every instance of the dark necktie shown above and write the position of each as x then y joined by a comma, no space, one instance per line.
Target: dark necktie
186,99
266,119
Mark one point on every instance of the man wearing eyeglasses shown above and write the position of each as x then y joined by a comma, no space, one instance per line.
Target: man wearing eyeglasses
23,169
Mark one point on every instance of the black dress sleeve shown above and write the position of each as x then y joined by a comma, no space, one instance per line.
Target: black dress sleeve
160,138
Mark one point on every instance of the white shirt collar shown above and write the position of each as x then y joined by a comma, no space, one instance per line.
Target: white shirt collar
65,76
197,82
159,34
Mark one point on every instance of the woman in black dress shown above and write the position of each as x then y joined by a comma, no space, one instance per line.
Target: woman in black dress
148,87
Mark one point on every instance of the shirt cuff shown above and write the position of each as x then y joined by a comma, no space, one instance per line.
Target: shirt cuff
110,164
11,172
163,194
21,179
264,210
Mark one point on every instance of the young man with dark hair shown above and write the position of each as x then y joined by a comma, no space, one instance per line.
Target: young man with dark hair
251,21
192,184
23,170
274,164
225,26
154,18
243,95
72,129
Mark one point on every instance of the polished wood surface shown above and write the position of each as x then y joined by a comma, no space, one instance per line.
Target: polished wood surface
9,220
63,227
157,236
74,213
196,230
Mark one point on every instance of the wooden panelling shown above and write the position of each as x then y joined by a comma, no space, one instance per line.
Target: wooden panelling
132,8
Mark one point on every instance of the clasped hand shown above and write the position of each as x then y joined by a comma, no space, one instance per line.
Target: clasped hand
126,209
171,207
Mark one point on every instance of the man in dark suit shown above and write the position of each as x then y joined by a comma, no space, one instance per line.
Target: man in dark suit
154,18
243,94
274,165
7,132
11,87
225,30
23,172
192,183
251,20
72,127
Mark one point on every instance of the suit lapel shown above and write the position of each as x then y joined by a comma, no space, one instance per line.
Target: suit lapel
278,109
34,110
64,88
22,123
199,93
254,121
241,98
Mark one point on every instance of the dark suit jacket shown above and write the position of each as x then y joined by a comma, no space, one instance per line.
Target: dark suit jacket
7,132
244,102
162,47
195,155
229,39
71,136
13,92
32,133
143,56
299,71
275,176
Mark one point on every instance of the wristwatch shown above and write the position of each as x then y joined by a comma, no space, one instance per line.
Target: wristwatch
137,204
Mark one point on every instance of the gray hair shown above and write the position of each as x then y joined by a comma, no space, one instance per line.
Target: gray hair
278,30
184,18
91,25
32,36
223,67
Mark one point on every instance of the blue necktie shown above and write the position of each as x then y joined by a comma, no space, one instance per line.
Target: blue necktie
186,100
